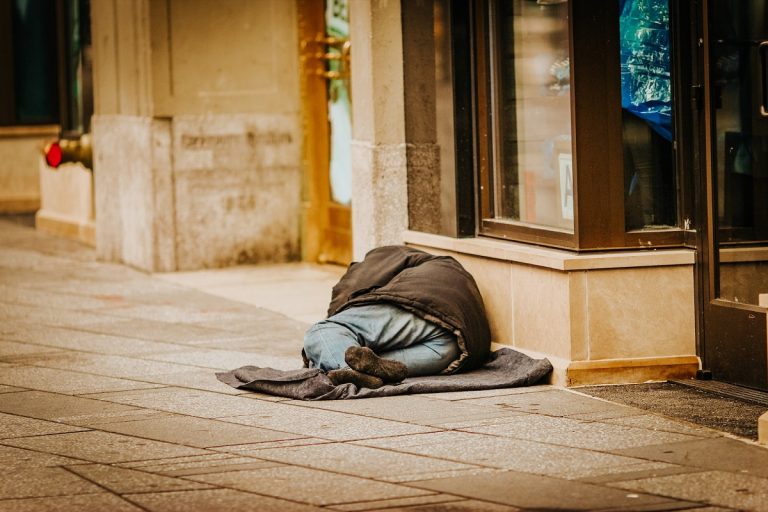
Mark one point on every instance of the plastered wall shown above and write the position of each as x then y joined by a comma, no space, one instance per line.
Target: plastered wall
196,132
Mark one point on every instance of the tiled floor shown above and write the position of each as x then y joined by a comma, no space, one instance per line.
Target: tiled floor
108,401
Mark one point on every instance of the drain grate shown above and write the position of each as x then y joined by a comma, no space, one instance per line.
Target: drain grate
728,390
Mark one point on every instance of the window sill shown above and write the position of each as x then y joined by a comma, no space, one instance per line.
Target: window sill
556,259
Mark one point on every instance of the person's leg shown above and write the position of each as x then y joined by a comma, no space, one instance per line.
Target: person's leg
325,344
427,358
399,335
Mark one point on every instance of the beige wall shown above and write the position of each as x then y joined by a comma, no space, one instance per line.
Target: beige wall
20,149
196,132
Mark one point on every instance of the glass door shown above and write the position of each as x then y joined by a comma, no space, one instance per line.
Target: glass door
735,312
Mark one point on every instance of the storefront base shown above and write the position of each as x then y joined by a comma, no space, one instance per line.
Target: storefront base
66,202
20,148
600,318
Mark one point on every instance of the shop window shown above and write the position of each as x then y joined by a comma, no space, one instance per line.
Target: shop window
28,82
577,135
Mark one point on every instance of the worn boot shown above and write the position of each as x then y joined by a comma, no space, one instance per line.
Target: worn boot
359,379
365,360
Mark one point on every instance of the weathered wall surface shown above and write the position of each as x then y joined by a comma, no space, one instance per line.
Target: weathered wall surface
19,174
196,133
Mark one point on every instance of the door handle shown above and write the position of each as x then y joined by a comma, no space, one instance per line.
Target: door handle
762,50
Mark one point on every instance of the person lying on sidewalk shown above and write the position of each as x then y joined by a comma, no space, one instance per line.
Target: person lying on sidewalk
399,313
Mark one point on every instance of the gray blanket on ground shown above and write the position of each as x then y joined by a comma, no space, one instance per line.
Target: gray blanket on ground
505,368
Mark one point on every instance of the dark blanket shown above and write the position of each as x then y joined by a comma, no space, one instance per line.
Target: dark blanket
505,368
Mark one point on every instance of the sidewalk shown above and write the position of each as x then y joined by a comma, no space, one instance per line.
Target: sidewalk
108,402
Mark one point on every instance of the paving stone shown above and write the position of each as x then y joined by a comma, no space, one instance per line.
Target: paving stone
200,464
103,447
85,341
187,313
411,409
31,297
500,452
735,490
100,364
326,424
192,402
552,402
19,426
12,458
204,380
717,454
487,393
37,482
9,389
152,330
309,485
627,472
453,506
363,461
536,492
217,500
228,359
409,503
78,503
50,316
196,432
657,423
254,448
66,382
56,407
577,434
12,348
122,480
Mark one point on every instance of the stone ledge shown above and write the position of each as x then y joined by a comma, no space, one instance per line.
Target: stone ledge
60,225
27,204
546,257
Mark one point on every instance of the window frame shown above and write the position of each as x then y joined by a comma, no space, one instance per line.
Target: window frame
596,135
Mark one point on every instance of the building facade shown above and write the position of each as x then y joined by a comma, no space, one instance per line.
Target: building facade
601,172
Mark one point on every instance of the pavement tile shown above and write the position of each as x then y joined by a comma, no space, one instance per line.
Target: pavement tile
12,458
40,298
38,482
19,426
500,452
254,448
199,465
228,359
627,472
552,402
85,341
716,454
461,505
187,313
577,434
309,485
536,492
326,424
362,461
56,407
660,424
735,490
9,389
216,500
196,432
66,382
101,364
9,349
50,316
123,480
77,503
192,402
204,380
410,409
102,447
152,330
399,503
487,393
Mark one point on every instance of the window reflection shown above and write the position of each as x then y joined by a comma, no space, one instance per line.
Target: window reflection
534,177
646,100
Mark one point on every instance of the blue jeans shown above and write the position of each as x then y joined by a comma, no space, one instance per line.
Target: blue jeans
393,333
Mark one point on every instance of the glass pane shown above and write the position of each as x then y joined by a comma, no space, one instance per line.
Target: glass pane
34,40
533,168
646,101
739,62
337,26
